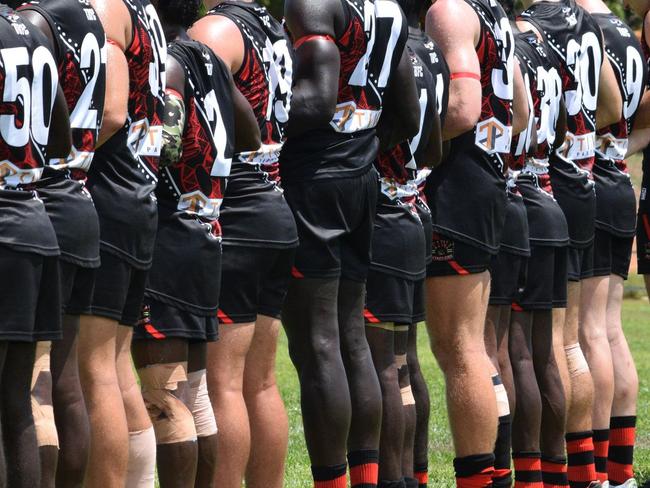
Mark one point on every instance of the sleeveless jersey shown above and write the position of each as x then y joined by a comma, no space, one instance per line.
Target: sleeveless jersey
195,185
575,38
125,174
81,49
467,193
615,198
28,84
370,49
254,211
544,90
191,190
626,57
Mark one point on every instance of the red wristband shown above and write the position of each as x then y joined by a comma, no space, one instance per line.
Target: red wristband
465,74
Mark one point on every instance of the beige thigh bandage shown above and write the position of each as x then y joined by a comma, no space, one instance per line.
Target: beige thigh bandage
171,418
206,424
576,360
407,396
42,409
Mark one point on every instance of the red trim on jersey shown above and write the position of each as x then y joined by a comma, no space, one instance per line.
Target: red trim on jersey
646,225
223,318
302,40
369,316
153,332
458,268
465,74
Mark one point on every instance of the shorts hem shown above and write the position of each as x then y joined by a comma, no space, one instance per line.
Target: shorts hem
389,318
614,231
267,312
501,301
67,310
418,318
171,334
478,269
533,306
107,313
260,243
93,263
398,273
470,241
180,304
516,251
581,244
236,319
30,336
559,303
143,265
548,242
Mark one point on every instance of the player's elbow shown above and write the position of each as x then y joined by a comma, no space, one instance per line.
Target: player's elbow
113,121
460,121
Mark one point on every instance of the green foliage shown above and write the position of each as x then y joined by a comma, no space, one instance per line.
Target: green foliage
275,7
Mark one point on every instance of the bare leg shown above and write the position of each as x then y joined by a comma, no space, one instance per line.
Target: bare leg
268,419
69,408
109,434
456,329
226,363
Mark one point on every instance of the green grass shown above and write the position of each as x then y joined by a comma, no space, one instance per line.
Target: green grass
636,319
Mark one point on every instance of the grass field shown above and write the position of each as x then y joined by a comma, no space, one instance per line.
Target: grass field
636,318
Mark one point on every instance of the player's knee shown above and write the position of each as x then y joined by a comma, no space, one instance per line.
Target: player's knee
576,361
41,398
318,353
201,408
162,385
626,390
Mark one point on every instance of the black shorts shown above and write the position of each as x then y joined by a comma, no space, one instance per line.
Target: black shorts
163,321
580,262
119,290
508,277
31,299
453,257
643,227
335,219
390,299
577,198
77,286
254,281
615,198
612,254
546,287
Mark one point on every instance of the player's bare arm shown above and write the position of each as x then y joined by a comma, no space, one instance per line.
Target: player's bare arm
400,118
313,25
610,103
455,28
247,130
221,35
117,25
60,140
520,108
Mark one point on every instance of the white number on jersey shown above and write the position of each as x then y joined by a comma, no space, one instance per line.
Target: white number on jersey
502,80
92,58
633,81
280,69
37,114
221,165
585,59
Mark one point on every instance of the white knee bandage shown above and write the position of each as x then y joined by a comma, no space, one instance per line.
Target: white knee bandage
206,424
576,360
42,409
141,472
503,406
172,419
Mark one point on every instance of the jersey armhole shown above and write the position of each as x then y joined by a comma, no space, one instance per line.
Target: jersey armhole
51,24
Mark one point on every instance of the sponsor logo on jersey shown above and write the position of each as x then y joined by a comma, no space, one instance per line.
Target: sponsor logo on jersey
197,203
13,176
493,136
348,118
578,147
612,147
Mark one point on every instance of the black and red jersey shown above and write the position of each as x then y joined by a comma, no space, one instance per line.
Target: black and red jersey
28,81
544,85
124,173
196,184
254,211
80,48
370,49
28,86
626,57
264,78
575,38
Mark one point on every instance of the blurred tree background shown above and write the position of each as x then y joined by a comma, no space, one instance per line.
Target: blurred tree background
276,6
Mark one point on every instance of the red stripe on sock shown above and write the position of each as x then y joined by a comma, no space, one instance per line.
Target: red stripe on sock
364,474
479,480
580,445
501,473
340,482
622,437
529,484
619,472
422,477
549,467
458,268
